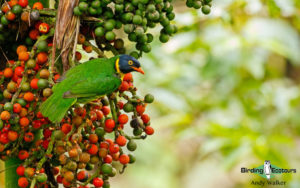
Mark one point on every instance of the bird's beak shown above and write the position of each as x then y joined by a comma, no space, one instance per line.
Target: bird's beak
140,70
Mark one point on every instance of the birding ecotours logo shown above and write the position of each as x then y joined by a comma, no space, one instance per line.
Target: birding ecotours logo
267,170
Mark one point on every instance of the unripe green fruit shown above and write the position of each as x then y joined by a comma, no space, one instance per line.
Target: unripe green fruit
146,48
137,19
96,4
119,43
132,158
99,31
134,54
17,9
149,37
77,11
92,11
163,38
128,28
132,37
110,35
109,25
83,6
42,46
119,7
100,131
106,168
31,63
8,106
131,145
128,107
151,8
149,98
41,177
205,9
42,83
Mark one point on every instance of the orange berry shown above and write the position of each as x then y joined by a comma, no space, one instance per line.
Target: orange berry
81,39
124,159
5,115
21,48
28,96
10,16
23,56
12,135
38,5
34,34
42,57
8,72
24,122
33,83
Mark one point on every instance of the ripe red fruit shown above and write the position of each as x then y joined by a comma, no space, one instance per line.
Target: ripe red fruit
59,179
17,108
123,118
23,182
121,140
12,135
124,86
149,130
128,77
36,124
124,159
47,133
98,182
140,109
105,110
121,105
23,3
114,148
23,154
99,114
66,128
110,124
28,137
108,159
4,138
93,149
44,28
20,170
83,175
19,71
145,118
104,145
33,83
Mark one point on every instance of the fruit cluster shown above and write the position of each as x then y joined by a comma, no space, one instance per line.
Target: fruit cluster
134,18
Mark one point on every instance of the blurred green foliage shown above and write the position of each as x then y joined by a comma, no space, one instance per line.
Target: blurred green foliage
227,96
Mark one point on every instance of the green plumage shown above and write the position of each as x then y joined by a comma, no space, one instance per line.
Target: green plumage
81,84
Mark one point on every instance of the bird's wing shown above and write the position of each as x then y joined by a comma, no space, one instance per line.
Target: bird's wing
94,86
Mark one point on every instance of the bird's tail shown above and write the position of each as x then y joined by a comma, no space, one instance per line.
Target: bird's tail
55,107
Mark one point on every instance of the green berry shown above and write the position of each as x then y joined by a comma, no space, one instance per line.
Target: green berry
163,38
131,145
109,25
77,11
83,6
134,54
92,11
17,9
137,19
205,9
146,48
110,35
128,107
106,168
8,106
42,46
100,131
149,98
128,28
96,4
99,31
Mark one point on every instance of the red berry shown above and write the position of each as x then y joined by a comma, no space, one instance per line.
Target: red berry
36,124
110,124
23,3
145,118
19,71
93,149
140,109
98,182
114,148
99,114
17,108
124,86
66,128
124,159
59,179
108,159
149,130
47,133
121,140
23,182
128,77
33,83
20,170
105,110
120,104
104,145
23,154
28,137
123,118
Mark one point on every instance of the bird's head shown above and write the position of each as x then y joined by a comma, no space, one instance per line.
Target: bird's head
126,64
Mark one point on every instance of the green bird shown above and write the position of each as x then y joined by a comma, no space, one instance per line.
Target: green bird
87,82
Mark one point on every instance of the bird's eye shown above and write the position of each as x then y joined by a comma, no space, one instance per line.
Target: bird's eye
130,62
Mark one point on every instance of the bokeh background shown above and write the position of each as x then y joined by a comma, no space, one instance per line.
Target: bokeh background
227,96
